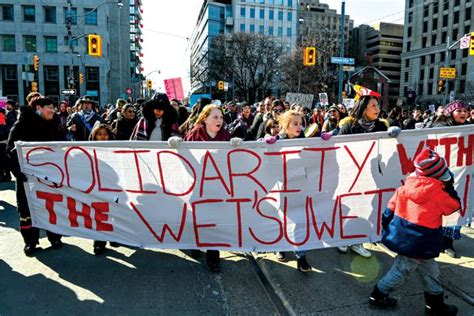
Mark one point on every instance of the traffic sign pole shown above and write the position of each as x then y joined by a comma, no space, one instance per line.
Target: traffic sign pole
341,53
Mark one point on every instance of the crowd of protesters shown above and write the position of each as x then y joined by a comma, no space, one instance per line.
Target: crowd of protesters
160,119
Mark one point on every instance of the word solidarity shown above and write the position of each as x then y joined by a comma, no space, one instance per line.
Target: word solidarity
295,194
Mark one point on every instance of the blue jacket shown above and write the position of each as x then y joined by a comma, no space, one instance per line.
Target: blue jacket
412,222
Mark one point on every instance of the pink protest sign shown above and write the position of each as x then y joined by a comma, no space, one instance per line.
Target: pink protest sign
174,88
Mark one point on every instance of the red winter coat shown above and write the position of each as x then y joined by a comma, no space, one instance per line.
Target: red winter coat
199,134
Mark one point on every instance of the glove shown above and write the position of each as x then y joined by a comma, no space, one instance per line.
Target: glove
326,136
174,141
236,141
271,140
394,131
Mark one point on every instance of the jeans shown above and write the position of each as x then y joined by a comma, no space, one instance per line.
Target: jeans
403,267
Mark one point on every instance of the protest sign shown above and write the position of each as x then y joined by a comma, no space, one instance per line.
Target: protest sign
294,194
300,99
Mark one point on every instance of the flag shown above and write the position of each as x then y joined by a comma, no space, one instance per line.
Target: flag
363,91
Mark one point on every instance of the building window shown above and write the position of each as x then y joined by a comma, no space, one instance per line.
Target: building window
280,31
467,14
30,43
432,58
75,42
9,43
280,2
7,12
270,30
28,13
262,14
445,20
90,16
290,3
261,1
288,31
433,40
92,74
280,15
252,13
70,15
407,63
51,44
49,14
271,15
51,73
9,72
242,27
242,12
261,29
252,28
290,16
456,17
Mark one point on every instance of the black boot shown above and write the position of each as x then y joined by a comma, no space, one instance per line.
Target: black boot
303,265
448,247
435,306
213,260
99,247
379,300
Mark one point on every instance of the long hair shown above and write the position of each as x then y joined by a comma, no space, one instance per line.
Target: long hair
191,120
206,111
286,118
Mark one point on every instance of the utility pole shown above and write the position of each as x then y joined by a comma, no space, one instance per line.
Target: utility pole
69,40
341,51
446,64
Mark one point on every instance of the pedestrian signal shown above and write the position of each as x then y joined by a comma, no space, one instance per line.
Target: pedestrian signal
94,45
34,86
441,86
149,84
309,56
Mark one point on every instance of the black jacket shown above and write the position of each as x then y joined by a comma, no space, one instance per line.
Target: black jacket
123,128
82,133
348,126
29,128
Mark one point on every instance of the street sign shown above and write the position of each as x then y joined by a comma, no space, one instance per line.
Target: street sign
465,42
226,86
68,92
348,68
92,93
447,73
343,60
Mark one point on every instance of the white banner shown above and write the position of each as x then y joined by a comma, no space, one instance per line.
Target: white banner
294,194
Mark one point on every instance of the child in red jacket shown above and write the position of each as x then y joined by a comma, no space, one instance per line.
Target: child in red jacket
412,226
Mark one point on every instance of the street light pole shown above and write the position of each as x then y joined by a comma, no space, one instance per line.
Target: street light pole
341,52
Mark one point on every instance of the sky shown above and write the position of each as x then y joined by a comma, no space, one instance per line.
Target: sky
168,25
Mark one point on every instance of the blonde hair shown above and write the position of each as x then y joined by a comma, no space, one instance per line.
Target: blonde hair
206,111
286,118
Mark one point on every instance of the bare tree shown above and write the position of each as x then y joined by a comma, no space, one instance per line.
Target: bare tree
249,61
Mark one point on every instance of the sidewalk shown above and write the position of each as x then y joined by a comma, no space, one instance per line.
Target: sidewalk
126,281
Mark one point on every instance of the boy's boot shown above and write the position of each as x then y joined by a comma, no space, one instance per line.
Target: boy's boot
379,300
213,260
435,306
448,247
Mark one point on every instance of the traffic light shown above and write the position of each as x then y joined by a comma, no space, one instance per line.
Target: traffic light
36,62
149,84
34,86
309,56
441,86
471,48
81,78
220,85
94,45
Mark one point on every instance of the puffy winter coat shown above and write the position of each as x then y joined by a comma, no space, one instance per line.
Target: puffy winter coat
414,216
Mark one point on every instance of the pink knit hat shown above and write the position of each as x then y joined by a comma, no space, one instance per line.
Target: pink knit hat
429,164
453,106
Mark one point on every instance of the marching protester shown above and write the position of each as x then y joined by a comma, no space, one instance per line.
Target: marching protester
209,126
231,113
416,121
364,118
159,121
80,123
240,127
291,127
332,121
124,125
412,228
35,124
115,112
190,122
471,115
101,132
260,117
455,114
395,117
276,110
63,115
183,113
7,118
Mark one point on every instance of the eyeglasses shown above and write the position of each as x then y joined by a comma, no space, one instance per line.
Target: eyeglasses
278,111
